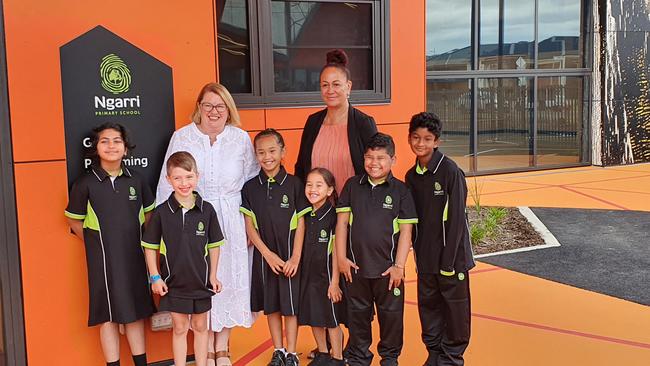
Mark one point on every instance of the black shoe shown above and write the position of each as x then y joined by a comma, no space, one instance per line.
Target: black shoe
277,359
320,359
292,360
335,362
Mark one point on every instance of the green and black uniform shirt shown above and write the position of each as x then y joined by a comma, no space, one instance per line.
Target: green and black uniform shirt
376,210
184,236
112,210
275,204
442,243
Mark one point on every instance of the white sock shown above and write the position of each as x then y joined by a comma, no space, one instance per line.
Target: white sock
282,349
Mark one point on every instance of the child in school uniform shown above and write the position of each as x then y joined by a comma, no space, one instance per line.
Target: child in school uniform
274,204
185,231
443,251
321,304
106,209
376,214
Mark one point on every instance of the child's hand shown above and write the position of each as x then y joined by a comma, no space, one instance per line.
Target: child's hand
159,287
291,267
274,262
249,242
334,293
345,267
216,284
396,276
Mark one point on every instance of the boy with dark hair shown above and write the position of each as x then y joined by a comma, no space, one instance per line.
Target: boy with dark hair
379,212
442,246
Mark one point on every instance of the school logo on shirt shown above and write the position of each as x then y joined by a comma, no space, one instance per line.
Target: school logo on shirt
285,201
200,229
132,195
438,190
323,237
388,202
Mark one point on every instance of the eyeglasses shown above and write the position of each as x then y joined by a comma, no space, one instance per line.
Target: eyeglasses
208,107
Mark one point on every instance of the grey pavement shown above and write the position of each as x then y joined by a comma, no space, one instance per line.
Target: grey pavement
604,251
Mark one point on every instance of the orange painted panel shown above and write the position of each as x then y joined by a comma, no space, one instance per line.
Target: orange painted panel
35,30
55,287
252,119
288,117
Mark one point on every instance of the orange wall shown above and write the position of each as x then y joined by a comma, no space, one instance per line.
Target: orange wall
181,36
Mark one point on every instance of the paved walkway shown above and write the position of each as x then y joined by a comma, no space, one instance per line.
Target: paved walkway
520,319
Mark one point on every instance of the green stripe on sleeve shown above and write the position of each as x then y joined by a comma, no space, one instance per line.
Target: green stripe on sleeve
74,215
304,212
144,244
448,274
407,221
250,214
330,245
343,209
216,244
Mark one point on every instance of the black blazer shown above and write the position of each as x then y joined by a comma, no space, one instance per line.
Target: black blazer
361,127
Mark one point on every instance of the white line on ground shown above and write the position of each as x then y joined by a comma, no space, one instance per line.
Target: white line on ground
549,239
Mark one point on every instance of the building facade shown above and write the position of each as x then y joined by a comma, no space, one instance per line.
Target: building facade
520,85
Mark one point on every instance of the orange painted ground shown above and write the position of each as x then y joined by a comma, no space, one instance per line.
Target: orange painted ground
519,319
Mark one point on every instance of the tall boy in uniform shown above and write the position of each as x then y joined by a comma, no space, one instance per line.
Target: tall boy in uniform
376,214
442,246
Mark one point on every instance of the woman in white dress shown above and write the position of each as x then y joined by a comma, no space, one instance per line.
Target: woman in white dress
226,160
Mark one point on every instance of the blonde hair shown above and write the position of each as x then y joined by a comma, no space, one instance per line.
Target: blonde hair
220,90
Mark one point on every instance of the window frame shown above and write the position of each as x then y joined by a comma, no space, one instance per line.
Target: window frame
263,94
473,75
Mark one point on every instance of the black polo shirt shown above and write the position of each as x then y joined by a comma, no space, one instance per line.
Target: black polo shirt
115,202
275,204
375,214
319,240
183,238
442,236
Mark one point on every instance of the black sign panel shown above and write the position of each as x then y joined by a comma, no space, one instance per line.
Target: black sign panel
107,79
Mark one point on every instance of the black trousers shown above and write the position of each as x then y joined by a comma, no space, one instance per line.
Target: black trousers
363,295
445,315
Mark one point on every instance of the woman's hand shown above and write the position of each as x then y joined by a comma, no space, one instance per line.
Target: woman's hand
274,262
291,266
334,292
159,287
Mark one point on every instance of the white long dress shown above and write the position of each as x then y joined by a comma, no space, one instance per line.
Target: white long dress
224,167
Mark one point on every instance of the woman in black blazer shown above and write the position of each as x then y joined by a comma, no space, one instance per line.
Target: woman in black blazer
335,90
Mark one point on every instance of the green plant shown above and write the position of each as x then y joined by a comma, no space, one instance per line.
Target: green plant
476,232
475,191
492,219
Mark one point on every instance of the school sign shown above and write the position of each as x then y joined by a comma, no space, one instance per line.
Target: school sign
107,79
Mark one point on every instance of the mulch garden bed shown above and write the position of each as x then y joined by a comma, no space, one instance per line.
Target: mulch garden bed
513,232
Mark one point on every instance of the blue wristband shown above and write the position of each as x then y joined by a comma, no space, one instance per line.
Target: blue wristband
154,278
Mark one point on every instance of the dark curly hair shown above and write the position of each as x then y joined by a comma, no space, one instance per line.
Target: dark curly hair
382,141
427,120
338,59
94,138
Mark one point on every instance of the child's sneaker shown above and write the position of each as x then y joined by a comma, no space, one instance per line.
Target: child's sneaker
335,362
292,360
277,359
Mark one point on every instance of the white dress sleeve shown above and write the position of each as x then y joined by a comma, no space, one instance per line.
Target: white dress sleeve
164,189
251,165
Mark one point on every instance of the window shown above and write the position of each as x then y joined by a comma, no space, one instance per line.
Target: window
271,51
508,79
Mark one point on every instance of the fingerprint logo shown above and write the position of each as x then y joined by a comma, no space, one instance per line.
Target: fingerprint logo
116,76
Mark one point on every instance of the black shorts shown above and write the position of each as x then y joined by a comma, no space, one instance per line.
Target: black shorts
185,306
